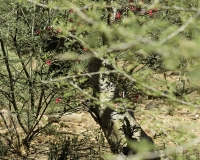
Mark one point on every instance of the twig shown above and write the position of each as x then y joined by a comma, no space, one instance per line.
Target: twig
80,75
179,30
180,8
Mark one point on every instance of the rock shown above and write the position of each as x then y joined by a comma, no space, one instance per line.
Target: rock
53,118
151,105
73,117
194,116
8,119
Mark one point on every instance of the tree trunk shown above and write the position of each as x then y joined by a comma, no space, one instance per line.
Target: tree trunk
120,127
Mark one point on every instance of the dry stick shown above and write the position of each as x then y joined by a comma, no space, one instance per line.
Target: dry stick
33,132
12,88
10,99
79,75
180,8
40,102
37,131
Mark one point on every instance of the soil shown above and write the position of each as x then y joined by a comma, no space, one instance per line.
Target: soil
173,128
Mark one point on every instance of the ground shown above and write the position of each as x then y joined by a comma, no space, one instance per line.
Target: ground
173,127
176,130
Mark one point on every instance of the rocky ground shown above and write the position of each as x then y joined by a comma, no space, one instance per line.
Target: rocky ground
175,129
173,126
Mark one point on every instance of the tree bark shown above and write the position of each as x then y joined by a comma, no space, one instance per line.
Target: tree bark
120,127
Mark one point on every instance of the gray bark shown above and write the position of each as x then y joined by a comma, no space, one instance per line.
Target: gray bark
120,127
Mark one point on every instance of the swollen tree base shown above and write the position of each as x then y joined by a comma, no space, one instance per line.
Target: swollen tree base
121,130
125,136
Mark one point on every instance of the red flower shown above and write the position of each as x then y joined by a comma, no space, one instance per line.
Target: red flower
58,31
150,12
48,62
38,32
48,28
132,8
70,20
71,10
58,100
85,49
136,96
118,15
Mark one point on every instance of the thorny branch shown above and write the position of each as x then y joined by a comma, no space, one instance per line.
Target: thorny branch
179,30
79,75
163,7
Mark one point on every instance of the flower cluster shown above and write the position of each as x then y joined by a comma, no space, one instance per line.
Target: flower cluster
136,9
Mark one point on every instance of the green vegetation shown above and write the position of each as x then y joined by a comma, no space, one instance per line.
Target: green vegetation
107,58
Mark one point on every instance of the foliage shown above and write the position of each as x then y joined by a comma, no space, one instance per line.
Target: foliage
76,147
46,47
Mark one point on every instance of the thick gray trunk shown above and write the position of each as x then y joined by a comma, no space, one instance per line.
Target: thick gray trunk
120,128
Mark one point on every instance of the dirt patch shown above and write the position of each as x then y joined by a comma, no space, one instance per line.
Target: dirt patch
172,127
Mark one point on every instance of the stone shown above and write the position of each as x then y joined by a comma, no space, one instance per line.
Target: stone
69,117
74,117
151,105
8,119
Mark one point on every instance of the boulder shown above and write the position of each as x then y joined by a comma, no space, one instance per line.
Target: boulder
69,117
8,119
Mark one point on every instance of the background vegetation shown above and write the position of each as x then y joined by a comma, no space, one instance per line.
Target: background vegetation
45,50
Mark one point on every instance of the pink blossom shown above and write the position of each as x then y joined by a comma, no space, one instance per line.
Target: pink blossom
38,32
118,15
48,28
150,12
132,8
58,100
48,62
85,49
58,31
136,96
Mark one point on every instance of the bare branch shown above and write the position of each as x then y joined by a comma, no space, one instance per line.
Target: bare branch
76,9
179,30
180,8
79,75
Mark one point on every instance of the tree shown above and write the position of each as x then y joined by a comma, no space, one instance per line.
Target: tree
102,44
